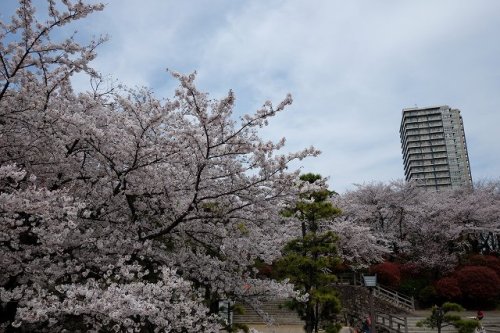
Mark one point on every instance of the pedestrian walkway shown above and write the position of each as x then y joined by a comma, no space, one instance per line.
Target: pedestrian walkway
284,320
274,310
490,322
262,328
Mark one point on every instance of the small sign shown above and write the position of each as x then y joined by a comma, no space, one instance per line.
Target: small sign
370,280
225,311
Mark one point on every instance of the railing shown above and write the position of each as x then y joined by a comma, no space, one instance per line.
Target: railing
348,279
391,296
391,323
394,298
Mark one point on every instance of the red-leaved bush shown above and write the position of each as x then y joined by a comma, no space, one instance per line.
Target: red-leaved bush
388,274
449,289
486,261
410,270
478,283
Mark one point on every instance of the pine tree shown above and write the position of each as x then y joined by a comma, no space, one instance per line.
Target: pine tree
308,261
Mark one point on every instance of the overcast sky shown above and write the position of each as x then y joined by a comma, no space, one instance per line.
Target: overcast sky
350,65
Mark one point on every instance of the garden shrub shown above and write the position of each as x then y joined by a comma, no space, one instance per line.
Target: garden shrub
427,296
413,286
479,285
486,261
448,288
388,274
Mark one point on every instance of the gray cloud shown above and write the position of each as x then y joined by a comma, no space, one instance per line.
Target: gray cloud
350,65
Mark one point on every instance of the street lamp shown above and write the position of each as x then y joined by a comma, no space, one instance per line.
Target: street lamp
226,311
371,282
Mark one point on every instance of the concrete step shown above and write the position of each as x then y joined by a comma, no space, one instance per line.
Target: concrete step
275,310
281,315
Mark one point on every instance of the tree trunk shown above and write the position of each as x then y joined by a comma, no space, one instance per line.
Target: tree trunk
310,318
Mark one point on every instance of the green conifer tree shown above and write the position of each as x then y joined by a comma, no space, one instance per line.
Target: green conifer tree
440,317
308,261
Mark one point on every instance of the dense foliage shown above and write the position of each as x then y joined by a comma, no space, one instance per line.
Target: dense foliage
441,317
433,239
388,274
449,289
480,286
121,211
433,230
309,260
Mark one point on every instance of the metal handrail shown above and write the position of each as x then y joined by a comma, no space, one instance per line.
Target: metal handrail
395,297
392,296
391,322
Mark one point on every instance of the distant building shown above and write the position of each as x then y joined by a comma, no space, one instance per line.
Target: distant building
434,147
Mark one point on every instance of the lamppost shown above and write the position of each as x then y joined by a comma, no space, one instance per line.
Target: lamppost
226,311
371,282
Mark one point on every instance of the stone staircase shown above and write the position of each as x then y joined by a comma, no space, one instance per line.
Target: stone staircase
397,301
355,300
284,320
395,313
395,298
274,310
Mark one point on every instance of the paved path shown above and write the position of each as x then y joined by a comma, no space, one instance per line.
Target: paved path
346,329
289,329
277,328
491,323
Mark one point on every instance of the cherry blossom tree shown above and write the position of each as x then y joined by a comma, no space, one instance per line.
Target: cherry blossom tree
432,229
374,222
478,212
122,211
357,245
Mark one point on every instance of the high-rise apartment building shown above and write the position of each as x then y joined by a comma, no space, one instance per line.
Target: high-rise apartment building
434,147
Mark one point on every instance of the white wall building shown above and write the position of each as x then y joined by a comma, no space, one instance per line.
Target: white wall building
434,147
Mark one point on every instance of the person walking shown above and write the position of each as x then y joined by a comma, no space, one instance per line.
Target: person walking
366,327
479,317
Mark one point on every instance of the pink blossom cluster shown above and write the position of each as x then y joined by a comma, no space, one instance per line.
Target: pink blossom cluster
432,229
122,211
